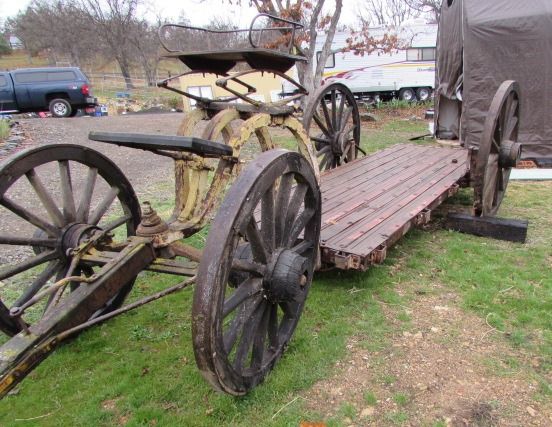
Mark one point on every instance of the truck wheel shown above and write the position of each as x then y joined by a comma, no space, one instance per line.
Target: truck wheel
423,93
407,94
60,107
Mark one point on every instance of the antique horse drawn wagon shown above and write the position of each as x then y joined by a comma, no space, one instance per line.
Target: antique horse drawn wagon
82,238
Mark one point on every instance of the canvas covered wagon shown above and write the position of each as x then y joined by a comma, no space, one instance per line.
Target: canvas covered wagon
480,44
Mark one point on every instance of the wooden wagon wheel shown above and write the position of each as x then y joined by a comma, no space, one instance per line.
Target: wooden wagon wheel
332,121
196,194
499,150
46,217
256,271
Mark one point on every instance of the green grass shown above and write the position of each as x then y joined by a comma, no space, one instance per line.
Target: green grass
139,368
401,399
370,398
4,129
390,133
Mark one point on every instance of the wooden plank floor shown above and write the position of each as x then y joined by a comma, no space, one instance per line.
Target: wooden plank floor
369,204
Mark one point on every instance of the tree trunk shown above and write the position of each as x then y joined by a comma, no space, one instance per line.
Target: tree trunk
327,47
125,71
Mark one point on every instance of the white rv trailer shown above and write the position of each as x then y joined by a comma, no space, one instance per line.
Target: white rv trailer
407,74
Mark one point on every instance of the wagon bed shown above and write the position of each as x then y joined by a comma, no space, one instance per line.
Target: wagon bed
370,203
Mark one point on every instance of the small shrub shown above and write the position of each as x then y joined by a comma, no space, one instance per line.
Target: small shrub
175,102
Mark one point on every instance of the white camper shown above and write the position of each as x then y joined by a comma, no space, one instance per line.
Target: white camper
407,74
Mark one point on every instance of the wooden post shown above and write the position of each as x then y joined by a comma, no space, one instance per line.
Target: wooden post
513,230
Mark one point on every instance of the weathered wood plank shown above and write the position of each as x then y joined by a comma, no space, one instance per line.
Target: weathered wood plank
512,230
370,203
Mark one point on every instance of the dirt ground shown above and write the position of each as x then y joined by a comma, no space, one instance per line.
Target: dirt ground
141,167
448,370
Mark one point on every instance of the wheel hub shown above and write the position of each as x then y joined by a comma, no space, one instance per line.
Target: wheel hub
338,143
509,154
74,234
286,278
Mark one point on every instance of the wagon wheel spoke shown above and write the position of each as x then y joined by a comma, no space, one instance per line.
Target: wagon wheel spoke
247,266
491,180
37,284
268,220
235,327
321,143
299,225
86,201
320,140
112,225
248,333
289,309
282,204
340,116
69,210
324,162
104,206
258,350
46,199
334,110
329,122
10,271
27,241
272,329
295,205
247,289
324,150
346,117
344,158
302,247
31,218
258,247
512,121
505,114
323,127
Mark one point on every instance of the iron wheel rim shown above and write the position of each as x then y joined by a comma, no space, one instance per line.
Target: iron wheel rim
232,358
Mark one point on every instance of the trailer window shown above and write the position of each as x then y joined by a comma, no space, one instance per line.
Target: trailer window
330,62
420,54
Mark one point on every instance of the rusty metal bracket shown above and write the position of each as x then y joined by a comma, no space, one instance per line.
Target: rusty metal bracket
423,217
378,255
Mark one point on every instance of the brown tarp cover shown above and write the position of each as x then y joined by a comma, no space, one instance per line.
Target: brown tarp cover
485,42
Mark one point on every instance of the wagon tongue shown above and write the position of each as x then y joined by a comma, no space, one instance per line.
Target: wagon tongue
27,349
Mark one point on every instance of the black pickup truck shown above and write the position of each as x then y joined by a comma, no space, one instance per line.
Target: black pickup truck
61,90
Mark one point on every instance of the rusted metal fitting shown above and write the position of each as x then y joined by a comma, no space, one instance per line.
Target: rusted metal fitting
153,226
378,255
423,217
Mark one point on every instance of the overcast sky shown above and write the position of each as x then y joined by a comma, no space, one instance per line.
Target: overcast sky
198,11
